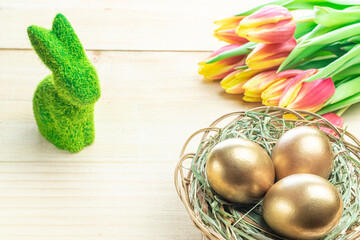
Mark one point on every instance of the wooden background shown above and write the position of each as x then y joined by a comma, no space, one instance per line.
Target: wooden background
121,187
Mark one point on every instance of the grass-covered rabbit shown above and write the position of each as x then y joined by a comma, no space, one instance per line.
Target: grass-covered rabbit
64,101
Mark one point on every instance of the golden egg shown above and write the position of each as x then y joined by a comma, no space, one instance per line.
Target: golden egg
240,170
303,150
302,206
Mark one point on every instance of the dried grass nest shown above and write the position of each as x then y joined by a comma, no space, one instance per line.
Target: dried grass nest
219,219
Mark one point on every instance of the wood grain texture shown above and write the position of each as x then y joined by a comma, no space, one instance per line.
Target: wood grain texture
121,187
125,25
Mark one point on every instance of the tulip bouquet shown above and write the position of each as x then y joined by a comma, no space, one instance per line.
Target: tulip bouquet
297,54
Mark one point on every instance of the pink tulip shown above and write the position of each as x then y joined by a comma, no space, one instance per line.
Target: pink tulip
274,87
220,69
233,83
336,120
270,24
309,96
226,32
268,56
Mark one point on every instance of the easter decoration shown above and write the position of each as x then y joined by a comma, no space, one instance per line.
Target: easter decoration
296,54
296,150
63,102
234,168
291,207
228,186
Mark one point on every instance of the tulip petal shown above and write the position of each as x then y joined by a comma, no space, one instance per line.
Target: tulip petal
253,94
292,90
254,83
266,56
218,70
229,36
272,33
279,77
334,119
236,89
270,24
229,23
271,101
275,89
267,63
224,49
313,95
251,99
238,77
266,50
266,15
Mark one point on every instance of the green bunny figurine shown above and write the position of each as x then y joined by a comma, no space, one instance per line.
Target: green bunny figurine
64,101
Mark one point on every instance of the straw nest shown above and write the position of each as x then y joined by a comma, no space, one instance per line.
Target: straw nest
218,219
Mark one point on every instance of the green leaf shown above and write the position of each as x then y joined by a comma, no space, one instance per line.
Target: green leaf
338,65
348,47
353,61
309,4
315,64
345,90
297,56
346,102
304,28
338,83
305,4
334,36
244,49
345,2
355,39
332,17
299,53
350,71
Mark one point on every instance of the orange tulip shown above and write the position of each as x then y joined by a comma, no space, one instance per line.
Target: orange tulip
270,24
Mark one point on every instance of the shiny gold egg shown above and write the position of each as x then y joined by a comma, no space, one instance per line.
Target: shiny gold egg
240,170
303,150
302,206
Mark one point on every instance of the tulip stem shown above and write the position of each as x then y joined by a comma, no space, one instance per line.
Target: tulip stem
305,19
341,111
343,103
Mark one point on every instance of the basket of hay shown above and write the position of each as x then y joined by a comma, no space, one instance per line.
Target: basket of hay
218,218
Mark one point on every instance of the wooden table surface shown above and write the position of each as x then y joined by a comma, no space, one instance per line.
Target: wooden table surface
121,187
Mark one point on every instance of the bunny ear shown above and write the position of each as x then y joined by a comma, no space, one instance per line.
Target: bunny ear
47,46
66,34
